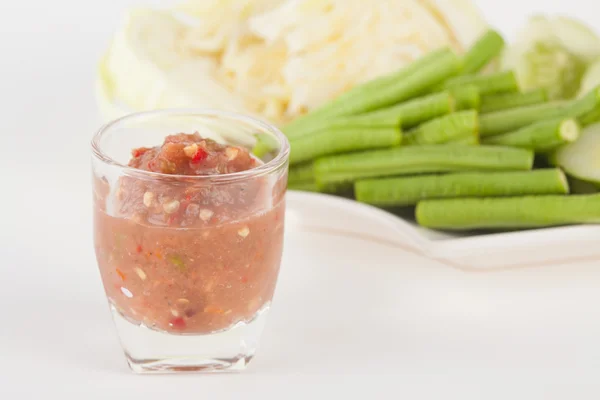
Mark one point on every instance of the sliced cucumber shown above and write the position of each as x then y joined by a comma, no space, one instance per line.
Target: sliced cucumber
582,158
590,79
552,53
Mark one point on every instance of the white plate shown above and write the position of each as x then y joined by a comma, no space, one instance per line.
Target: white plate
342,217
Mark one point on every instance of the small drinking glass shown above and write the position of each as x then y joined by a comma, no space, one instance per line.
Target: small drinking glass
189,263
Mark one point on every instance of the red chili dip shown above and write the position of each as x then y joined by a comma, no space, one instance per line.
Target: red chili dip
187,255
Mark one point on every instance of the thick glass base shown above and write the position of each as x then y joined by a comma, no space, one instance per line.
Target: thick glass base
151,351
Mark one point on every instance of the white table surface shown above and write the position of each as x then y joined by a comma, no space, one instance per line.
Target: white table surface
527,334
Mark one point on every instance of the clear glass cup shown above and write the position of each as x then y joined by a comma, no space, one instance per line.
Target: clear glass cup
191,292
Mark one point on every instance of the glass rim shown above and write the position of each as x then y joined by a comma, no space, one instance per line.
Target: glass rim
270,166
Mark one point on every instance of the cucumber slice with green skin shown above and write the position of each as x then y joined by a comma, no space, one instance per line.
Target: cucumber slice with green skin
591,79
552,53
582,158
509,213
410,190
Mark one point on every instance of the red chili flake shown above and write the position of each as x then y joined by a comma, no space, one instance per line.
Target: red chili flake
120,273
200,155
177,323
188,197
139,248
171,220
136,153
244,279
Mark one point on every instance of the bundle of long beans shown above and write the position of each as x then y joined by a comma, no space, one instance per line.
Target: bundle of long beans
458,144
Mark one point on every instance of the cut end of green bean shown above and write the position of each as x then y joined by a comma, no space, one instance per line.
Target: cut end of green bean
569,130
541,137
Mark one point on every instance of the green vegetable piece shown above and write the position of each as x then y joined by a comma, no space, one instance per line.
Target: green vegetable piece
337,141
553,67
407,83
472,140
177,261
417,111
485,49
418,160
513,100
364,121
582,187
499,82
510,120
466,97
540,137
451,127
509,213
581,159
304,187
301,173
265,144
410,190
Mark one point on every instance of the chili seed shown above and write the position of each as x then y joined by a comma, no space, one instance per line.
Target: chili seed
183,302
126,292
171,206
244,232
140,273
148,199
175,313
191,150
231,153
206,214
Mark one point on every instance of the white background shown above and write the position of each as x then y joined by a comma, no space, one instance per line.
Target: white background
530,334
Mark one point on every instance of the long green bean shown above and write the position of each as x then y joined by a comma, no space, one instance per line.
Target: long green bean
540,137
508,213
405,191
499,82
420,159
485,49
337,141
513,100
451,127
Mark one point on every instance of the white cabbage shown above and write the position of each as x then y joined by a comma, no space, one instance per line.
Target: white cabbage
273,58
